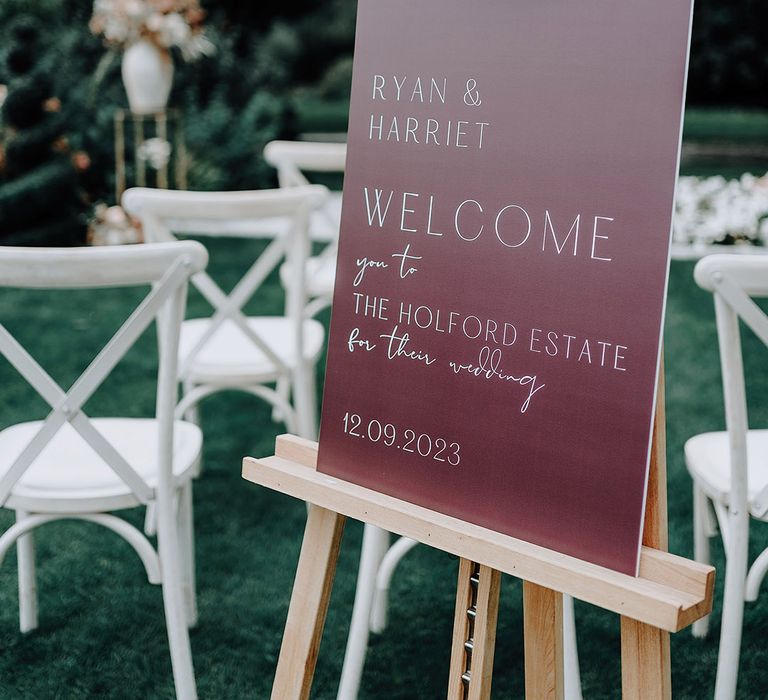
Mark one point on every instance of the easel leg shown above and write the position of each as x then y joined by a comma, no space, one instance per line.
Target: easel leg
645,662
543,622
309,604
645,657
474,632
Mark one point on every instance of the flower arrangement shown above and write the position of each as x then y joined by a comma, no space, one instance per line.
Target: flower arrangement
715,210
165,23
156,152
112,226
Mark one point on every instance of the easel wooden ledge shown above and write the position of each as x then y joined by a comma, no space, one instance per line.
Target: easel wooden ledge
670,593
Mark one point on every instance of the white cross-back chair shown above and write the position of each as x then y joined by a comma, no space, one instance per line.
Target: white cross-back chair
293,159
730,468
232,350
70,466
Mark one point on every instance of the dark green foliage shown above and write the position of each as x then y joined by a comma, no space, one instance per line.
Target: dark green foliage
729,62
40,198
236,138
232,103
337,80
30,148
41,207
324,30
326,36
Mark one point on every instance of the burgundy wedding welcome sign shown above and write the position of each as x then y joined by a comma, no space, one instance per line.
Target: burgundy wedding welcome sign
503,261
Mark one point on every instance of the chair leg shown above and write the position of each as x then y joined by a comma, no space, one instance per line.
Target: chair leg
572,673
169,547
733,606
375,545
305,401
385,570
187,542
311,389
192,414
700,546
283,388
25,548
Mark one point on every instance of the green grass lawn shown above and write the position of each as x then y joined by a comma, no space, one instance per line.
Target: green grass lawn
723,124
722,141
102,630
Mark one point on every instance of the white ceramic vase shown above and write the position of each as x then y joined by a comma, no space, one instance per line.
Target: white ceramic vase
147,76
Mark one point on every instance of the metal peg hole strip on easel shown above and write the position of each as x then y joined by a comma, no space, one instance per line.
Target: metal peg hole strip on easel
474,582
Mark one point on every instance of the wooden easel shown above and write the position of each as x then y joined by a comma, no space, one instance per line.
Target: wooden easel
670,593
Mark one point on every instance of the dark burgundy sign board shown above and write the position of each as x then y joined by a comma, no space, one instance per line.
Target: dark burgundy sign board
503,260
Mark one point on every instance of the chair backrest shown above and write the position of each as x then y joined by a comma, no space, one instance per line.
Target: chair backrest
735,280
167,268
292,159
164,213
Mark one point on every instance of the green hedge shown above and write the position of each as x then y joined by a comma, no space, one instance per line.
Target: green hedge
729,60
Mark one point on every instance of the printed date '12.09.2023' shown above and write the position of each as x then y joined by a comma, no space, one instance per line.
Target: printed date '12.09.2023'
408,440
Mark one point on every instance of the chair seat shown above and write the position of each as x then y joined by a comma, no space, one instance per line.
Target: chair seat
708,460
230,357
68,474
